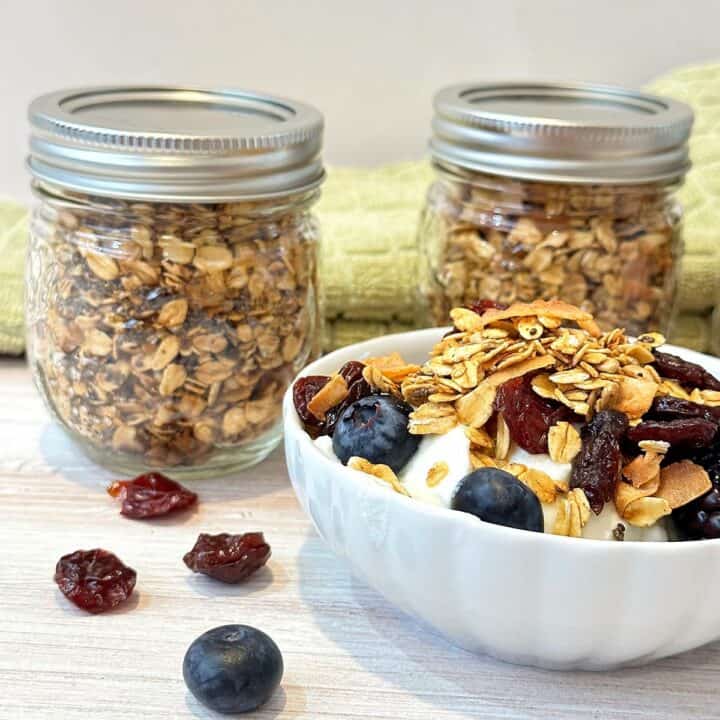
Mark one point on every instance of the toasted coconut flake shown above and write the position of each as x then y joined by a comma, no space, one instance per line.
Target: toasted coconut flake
437,473
392,366
646,511
643,469
546,308
330,395
563,442
382,472
635,396
626,494
682,482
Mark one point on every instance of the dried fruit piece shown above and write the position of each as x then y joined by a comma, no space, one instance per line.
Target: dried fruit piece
228,558
688,432
94,580
305,390
528,416
682,482
596,468
685,372
672,407
151,495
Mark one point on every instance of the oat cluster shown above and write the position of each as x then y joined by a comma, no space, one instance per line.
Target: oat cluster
608,250
166,332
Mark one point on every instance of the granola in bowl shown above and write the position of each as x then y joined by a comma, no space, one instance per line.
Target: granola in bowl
529,416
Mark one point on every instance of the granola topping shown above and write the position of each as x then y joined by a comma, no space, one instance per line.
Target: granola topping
614,466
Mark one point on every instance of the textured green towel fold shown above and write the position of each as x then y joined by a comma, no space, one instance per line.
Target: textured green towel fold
13,232
700,195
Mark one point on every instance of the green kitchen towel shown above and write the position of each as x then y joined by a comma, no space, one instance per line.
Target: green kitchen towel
699,87
13,233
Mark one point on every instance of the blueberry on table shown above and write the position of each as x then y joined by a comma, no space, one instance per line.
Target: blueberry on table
498,497
233,668
376,428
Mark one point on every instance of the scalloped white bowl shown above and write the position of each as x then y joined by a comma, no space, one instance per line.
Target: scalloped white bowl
528,598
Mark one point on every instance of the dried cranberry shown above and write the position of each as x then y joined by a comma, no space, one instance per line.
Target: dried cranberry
228,558
151,495
688,432
480,306
596,468
304,390
684,371
95,580
675,408
529,417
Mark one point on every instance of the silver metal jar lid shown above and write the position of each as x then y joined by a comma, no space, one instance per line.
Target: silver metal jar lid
175,144
561,132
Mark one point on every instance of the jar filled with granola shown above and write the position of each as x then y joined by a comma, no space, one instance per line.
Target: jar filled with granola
171,283
555,191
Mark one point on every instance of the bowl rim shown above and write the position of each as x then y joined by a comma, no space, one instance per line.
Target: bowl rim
292,423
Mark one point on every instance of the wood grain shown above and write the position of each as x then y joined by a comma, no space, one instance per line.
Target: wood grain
348,654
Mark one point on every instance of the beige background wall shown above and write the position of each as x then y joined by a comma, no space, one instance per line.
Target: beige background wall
370,65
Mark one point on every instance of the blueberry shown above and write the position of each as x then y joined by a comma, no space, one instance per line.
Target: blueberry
498,497
233,668
376,428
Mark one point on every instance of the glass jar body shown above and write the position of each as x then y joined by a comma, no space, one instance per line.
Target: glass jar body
611,249
165,335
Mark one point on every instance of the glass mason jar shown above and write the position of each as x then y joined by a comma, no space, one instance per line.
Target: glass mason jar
547,192
171,299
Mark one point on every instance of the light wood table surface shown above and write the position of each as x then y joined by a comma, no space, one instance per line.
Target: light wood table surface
348,654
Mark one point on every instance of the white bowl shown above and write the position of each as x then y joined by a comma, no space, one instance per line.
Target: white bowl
528,598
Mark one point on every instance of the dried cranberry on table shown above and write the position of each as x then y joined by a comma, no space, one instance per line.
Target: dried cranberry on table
596,468
228,558
151,495
529,417
684,371
94,580
689,432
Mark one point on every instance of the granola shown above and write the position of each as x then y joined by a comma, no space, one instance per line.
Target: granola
608,249
165,334
608,446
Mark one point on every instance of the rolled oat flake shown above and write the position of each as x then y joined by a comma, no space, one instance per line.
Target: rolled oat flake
561,132
175,144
